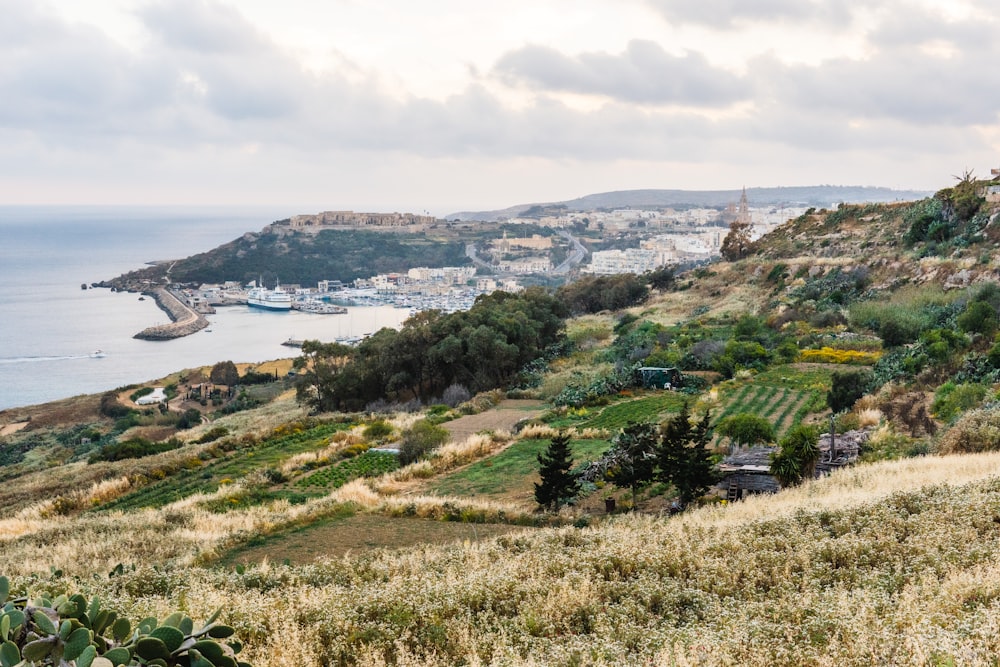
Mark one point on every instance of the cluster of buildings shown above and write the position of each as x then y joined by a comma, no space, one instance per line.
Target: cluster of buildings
448,288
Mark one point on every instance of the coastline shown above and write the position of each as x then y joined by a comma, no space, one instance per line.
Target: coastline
184,321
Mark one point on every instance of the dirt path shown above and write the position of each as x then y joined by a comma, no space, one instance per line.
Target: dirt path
503,417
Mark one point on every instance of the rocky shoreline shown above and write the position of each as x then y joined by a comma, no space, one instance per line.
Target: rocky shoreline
184,320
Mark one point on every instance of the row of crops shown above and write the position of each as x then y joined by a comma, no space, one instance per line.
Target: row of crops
782,406
369,464
199,475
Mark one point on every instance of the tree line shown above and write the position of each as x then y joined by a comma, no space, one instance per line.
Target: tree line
483,348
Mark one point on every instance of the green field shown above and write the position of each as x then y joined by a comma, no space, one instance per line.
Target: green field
368,464
205,476
648,408
511,470
784,395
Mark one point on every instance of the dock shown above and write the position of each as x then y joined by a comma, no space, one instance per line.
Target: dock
184,321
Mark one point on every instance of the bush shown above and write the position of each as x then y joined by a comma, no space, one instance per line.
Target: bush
797,456
952,399
746,429
979,317
213,434
975,431
132,448
190,419
378,430
139,393
110,407
846,388
420,440
455,395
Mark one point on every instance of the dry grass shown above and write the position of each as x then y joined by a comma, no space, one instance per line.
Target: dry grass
892,563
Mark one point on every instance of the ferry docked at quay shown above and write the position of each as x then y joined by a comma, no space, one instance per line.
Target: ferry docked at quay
276,299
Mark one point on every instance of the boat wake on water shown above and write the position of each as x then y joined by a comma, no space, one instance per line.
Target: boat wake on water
97,354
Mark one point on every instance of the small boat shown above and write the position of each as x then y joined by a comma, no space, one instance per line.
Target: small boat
97,354
207,329
142,298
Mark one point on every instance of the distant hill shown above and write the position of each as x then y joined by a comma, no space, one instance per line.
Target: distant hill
816,195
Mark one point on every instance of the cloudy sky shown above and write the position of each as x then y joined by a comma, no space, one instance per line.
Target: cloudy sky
446,104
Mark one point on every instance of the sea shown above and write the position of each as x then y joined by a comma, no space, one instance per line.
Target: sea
51,330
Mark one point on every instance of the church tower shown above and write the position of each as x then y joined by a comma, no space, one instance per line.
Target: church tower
743,210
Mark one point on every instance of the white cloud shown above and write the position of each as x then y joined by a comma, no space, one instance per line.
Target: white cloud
206,101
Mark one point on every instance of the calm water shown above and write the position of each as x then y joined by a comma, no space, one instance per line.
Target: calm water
49,326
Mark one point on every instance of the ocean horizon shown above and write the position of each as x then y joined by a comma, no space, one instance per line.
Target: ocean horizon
51,328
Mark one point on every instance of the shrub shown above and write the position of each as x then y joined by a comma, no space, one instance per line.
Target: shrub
110,407
132,448
455,395
213,434
952,399
378,430
846,388
829,355
746,429
190,419
975,431
797,457
420,440
139,393
979,317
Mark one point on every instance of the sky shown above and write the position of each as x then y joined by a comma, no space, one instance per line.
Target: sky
446,105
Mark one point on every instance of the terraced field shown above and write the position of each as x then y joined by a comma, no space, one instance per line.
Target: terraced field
781,406
207,475
648,408
369,464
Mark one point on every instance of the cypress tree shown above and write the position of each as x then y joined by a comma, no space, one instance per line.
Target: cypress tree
684,458
558,483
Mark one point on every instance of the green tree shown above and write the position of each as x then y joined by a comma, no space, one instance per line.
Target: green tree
683,457
189,419
979,317
746,429
557,484
797,457
634,457
225,372
320,367
420,440
846,387
737,244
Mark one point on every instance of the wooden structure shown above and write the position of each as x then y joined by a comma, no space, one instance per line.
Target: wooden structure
748,472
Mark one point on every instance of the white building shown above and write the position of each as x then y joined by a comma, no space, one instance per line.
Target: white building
630,260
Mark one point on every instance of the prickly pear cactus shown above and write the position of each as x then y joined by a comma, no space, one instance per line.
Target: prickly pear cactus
71,631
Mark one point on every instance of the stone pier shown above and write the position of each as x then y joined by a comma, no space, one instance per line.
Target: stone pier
184,320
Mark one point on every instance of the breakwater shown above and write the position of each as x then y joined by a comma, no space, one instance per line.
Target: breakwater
184,321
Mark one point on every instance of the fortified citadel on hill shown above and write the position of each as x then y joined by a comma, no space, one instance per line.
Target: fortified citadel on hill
352,219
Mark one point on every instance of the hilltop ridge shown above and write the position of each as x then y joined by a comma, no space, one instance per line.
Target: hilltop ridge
818,195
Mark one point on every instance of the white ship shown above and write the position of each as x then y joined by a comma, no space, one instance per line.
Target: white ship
276,299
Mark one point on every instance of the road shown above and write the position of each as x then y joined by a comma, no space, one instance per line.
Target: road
577,253
471,253
575,256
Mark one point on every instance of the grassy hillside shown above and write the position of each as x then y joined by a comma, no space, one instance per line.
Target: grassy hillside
322,549
893,563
